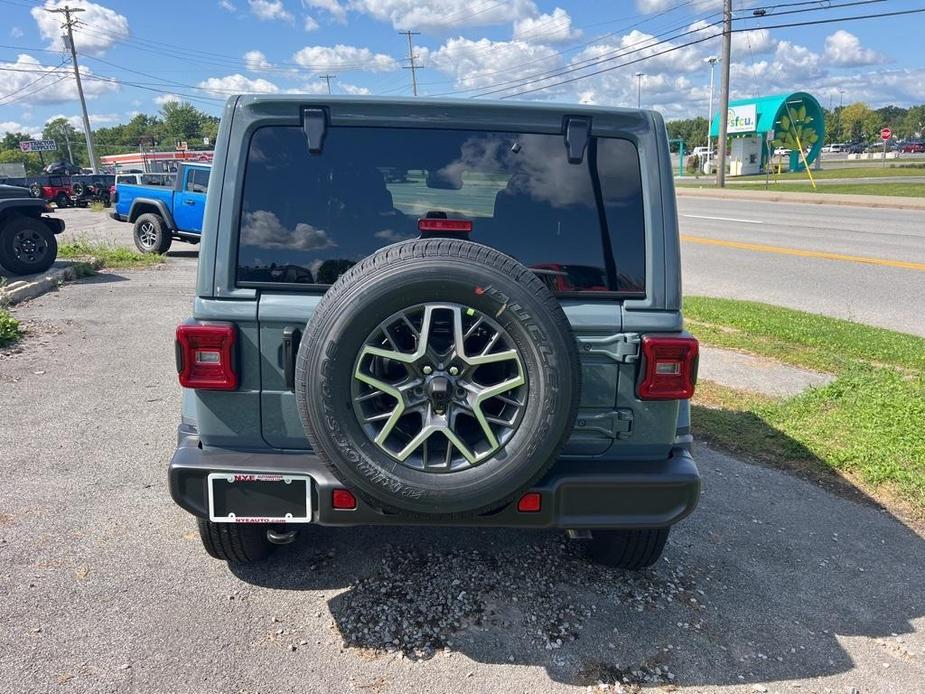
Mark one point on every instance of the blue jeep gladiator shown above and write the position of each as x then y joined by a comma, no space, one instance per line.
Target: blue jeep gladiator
163,213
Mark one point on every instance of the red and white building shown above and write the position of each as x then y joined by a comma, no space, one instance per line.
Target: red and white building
153,162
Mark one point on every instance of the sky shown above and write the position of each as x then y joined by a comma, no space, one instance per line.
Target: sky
135,56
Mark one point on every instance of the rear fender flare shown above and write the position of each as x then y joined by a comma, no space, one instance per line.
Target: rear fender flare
143,205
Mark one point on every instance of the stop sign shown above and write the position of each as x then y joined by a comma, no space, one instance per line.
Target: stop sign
886,134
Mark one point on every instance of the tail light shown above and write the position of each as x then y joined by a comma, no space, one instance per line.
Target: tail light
205,356
436,224
670,365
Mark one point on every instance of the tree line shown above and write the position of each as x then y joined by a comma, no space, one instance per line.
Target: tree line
183,122
175,122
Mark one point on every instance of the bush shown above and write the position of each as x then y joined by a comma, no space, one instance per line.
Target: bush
9,328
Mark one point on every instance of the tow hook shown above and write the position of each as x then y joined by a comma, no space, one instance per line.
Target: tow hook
281,537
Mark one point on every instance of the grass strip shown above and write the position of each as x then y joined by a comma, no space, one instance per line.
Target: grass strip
905,190
109,255
867,423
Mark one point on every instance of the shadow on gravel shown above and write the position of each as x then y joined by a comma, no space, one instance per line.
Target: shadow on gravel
182,254
103,277
757,586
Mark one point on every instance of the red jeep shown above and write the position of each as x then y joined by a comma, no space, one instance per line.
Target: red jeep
55,189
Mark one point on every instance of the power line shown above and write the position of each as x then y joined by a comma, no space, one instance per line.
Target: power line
411,58
709,38
69,43
644,45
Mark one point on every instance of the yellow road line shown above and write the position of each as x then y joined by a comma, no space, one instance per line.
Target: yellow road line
763,248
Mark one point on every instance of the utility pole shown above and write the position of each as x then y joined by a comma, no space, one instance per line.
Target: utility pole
724,96
712,60
67,140
411,58
69,43
639,76
328,78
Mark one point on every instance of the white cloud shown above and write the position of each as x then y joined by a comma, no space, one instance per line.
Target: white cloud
227,5
332,7
436,15
342,57
483,63
56,87
650,6
256,61
263,228
354,89
98,30
546,28
309,23
237,84
268,10
11,126
752,42
844,50
96,120
17,33
162,99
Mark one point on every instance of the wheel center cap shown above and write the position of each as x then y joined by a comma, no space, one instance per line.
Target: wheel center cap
439,390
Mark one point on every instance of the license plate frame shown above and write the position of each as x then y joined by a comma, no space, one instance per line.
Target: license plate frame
259,504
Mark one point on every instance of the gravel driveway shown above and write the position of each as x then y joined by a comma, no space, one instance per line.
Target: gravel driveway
772,585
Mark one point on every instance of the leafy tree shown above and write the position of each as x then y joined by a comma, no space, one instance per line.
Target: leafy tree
181,121
857,122
13,156
692,130
913,124
60,130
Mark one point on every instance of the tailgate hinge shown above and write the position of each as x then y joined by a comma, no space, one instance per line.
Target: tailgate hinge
622,348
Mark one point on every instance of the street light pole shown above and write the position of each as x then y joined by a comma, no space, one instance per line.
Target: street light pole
639,76
712,60
841,100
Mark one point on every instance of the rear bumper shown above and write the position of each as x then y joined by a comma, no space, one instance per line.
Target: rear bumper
575,494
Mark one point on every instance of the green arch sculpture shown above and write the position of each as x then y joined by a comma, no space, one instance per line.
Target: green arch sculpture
788,117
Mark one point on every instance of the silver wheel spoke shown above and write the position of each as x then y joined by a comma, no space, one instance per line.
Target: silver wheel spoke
438,387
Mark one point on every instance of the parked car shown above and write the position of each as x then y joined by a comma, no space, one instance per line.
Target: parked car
916,147
91,188
834,148
27,236
62,168
855,148
56,189
371,353
160,213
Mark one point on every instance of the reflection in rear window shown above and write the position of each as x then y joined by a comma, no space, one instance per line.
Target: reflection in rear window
369,187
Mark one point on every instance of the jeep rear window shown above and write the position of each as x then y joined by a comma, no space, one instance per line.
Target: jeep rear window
306,218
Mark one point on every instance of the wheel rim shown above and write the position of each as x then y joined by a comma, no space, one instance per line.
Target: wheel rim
147,234
439,387
29,247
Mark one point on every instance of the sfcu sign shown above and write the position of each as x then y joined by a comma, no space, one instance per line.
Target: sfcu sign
741,119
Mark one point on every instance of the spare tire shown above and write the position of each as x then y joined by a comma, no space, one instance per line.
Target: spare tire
79,188
438,377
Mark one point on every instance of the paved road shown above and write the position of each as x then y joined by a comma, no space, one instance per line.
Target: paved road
878,294
773,583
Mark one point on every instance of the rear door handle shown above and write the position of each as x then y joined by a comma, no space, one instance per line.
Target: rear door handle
292,336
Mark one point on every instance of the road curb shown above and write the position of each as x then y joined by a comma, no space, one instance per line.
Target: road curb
62,271
869,201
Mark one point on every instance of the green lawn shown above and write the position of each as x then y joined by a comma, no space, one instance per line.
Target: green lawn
869,423
909,190
853,172
109,255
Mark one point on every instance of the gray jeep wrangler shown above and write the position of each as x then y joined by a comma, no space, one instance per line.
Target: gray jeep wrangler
437,313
